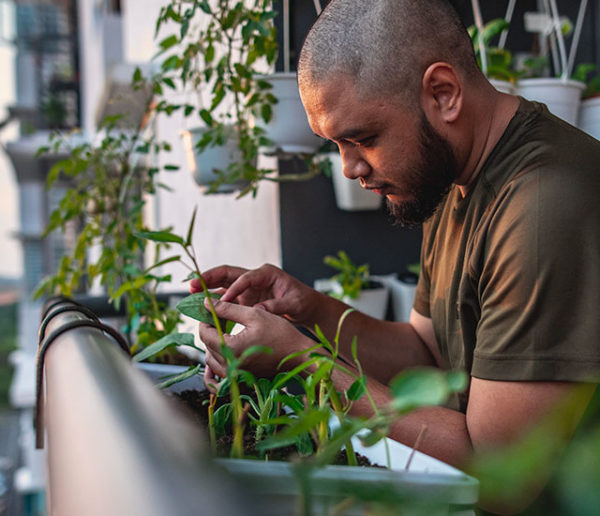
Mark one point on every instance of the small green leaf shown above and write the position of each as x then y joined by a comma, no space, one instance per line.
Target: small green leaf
162,262
193,306
192,275
357,389
192,371
161,236
222,418
169,42
206,116
421,387
188,240
371,438
173,339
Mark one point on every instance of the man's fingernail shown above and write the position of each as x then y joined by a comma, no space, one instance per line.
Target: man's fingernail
262,307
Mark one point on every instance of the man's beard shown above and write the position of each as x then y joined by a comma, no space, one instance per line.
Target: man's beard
429,181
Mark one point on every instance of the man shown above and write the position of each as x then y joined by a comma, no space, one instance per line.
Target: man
509,195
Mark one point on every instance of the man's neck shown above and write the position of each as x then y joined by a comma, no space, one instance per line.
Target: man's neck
493,114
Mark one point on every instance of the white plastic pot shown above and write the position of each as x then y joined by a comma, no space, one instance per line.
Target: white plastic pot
561,97
402,291
503,86
203,165
371,301
589,117
288,129
349,195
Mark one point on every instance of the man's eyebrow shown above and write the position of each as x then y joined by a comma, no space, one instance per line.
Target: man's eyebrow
350,134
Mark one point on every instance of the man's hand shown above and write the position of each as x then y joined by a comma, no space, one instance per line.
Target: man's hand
270,287
261,329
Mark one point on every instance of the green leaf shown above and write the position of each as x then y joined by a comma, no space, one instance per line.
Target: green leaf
161,236
169,42
169,82
204,5
163,262
207,117
193,306
192,275
371,438
192,371
222,418
173,339
420,388
357,389
188,240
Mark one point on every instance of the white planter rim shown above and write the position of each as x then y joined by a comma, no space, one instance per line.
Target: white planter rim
550,82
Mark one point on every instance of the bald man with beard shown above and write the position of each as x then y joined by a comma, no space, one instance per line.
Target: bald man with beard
508,196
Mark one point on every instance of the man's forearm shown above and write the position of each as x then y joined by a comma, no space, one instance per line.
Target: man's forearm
444,431
384,348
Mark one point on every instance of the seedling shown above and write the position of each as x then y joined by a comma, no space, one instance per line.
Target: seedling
351,278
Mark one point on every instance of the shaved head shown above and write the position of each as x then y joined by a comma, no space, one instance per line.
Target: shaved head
385,46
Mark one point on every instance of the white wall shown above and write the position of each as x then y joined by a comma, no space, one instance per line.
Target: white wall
244,232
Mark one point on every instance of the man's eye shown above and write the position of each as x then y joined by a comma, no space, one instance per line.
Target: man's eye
365,142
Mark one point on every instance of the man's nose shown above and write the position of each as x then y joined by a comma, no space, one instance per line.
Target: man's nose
353,165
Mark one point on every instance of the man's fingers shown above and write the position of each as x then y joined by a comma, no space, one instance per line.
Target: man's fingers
211,380
232,312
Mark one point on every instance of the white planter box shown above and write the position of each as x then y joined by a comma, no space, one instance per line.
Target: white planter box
561,97
428,484
589,117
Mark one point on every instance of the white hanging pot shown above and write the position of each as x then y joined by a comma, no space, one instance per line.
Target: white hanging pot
288,129
503,86
349,195
561,97
203,165
372,301
589,117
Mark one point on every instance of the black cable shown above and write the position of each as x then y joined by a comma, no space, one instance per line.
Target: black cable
43,348
60,310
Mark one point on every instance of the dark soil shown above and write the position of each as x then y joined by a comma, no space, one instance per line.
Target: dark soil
197,405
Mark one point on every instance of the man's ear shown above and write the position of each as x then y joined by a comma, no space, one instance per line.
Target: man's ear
441,93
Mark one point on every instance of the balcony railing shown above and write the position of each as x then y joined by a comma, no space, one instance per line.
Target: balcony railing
115,444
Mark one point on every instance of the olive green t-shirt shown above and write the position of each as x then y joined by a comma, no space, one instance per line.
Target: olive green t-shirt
510,274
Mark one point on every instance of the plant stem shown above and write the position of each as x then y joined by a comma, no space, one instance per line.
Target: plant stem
337,408
237,450
212,400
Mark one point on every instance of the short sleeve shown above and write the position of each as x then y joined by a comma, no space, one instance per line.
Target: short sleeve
536,268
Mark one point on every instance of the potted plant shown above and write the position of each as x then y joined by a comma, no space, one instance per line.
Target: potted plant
110,180
589,112
496,62
349,195
354,286
561,94
222,51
